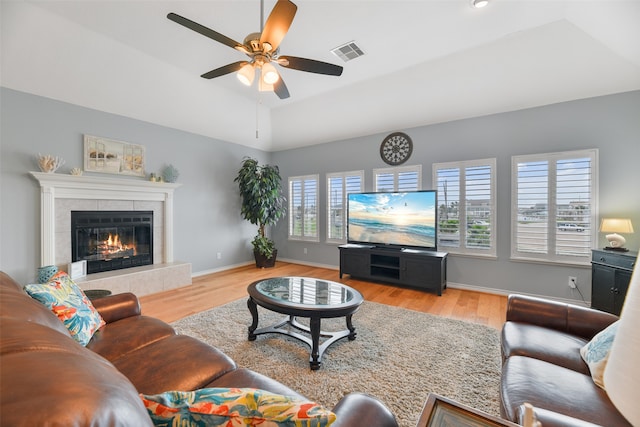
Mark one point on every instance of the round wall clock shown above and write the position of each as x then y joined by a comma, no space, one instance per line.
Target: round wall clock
396,148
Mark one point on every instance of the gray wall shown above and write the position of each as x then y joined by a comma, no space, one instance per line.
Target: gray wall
206,206
207,217
609,123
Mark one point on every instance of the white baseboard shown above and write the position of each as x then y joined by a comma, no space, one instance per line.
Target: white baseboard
219,269
310,264
508,292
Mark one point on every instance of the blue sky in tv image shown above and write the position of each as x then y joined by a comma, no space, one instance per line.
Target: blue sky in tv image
400,218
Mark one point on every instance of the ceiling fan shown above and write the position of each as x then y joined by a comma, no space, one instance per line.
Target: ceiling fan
263,50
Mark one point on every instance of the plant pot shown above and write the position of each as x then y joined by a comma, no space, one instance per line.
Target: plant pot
264,262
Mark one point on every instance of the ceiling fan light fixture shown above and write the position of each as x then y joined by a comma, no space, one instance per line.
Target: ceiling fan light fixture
269,73
246,74
479,3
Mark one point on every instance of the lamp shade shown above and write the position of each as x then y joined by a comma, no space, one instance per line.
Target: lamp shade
616,225
246,74
622,373
269,73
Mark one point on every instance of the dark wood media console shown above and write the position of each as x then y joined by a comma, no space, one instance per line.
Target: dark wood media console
422,269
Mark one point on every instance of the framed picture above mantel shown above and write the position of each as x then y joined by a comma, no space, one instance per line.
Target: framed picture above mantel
114,157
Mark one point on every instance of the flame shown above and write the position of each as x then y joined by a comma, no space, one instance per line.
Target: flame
113,245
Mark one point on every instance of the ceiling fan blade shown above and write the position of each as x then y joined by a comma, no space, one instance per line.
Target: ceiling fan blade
309,65
208,32
281,89
278,23
229,68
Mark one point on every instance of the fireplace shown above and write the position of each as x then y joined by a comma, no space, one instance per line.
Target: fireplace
112,240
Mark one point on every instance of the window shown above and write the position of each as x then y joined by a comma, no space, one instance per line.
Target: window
338,186
466,201
303,207
554,206
403,178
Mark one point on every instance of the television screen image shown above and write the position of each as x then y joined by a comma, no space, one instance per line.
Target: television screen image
403,219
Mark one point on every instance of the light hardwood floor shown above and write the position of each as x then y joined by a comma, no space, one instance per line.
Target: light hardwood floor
220,288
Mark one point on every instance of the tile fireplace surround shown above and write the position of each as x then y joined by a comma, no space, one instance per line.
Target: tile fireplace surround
60,194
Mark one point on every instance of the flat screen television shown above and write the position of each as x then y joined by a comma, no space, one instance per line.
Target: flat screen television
404,219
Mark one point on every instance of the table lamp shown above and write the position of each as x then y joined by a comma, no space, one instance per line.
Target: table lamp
615,226
622,373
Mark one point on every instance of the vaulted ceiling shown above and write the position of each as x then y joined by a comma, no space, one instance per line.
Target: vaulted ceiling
425,62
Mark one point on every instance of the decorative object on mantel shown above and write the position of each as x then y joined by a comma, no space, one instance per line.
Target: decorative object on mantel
49,163
155,178
170,173
615,226
110,156
76,172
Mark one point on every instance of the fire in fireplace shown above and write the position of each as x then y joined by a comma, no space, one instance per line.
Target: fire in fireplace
112,240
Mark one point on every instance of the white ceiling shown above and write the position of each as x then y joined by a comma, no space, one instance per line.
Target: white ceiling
425,62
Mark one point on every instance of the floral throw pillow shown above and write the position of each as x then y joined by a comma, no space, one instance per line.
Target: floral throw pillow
596,352
234,407
67,301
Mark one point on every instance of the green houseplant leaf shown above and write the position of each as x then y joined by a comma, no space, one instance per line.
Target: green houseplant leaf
263,203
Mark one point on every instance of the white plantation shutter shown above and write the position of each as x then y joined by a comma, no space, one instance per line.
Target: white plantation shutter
466,206
401,178
554,206
339,185
303,207
480,207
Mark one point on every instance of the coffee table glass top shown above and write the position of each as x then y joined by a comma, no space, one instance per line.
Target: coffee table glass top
306,291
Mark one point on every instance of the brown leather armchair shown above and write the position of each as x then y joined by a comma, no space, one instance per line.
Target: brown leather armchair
541,363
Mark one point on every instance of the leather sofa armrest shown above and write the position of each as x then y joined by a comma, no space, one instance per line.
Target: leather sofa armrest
359,409
553,419
574,319
118,306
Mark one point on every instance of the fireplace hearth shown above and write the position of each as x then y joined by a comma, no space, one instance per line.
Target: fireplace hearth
112,240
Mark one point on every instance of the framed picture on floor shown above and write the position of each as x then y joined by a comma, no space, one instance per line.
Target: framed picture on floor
439,411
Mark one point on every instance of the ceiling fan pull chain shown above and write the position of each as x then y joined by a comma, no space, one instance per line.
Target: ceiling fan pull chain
258,115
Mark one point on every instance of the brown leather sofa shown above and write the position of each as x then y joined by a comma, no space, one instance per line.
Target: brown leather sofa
47,378
542,366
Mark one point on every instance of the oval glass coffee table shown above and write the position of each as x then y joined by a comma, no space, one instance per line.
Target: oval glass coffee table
315,299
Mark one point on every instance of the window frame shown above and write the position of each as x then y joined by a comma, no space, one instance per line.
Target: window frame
551,255
463,248
396,171
302,179
343,176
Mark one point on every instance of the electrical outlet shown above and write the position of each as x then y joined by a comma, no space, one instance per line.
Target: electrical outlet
573,282
305,251
219,255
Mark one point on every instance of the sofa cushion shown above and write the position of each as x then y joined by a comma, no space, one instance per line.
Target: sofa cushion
596,352
117,339
193,365
230,407
552,387
67,301
539,342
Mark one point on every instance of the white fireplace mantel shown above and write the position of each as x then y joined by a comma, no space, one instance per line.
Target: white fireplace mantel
59,186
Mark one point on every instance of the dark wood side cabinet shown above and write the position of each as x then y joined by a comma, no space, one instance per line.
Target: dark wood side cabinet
610,277
409,267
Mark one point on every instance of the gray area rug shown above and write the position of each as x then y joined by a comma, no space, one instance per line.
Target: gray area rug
399,356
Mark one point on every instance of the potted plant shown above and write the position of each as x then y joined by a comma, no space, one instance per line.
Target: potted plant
263,204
